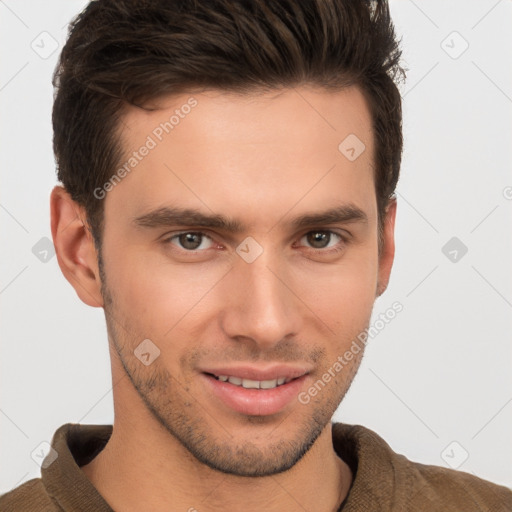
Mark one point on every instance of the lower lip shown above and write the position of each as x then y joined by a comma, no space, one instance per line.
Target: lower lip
255,402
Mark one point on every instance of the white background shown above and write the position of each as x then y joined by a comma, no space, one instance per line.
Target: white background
439,372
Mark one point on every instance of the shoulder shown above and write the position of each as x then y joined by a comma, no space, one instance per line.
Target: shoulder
440,486
31,496
401,484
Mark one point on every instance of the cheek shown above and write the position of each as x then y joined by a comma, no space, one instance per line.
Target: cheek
156,297
342,294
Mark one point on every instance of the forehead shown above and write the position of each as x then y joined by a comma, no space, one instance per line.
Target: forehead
301,114
216,148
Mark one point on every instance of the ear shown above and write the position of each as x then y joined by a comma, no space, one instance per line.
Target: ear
387,254
74,247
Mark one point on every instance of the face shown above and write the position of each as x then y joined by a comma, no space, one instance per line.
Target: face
243,244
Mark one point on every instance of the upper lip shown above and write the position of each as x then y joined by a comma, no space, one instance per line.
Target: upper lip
254,373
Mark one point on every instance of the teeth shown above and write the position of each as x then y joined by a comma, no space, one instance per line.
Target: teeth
268,384
253,384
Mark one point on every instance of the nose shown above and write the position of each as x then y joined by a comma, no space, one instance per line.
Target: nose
260,306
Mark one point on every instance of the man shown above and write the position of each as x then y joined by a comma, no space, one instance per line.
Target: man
228,170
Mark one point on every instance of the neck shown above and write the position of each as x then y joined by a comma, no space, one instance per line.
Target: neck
139,472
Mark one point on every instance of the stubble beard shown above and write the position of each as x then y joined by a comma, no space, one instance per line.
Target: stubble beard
184,418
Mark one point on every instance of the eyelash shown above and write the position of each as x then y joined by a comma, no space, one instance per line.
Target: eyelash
333,250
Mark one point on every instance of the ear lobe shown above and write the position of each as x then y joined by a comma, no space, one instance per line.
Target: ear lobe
74,247
387,254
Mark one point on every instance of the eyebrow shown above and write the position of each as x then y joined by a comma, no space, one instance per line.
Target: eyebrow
165,217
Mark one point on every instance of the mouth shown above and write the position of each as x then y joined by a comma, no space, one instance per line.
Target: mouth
254,392
252,384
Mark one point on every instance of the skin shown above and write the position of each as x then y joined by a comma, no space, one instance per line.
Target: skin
262,159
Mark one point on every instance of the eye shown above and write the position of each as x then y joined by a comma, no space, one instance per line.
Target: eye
190,240
324,239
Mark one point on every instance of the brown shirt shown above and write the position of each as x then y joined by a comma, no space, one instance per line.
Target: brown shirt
383,480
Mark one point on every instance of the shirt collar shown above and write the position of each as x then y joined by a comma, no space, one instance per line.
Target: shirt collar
371,460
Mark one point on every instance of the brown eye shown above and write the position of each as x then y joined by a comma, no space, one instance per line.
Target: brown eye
190,240
322,239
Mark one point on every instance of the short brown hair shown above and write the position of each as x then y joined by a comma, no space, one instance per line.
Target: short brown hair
123,52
